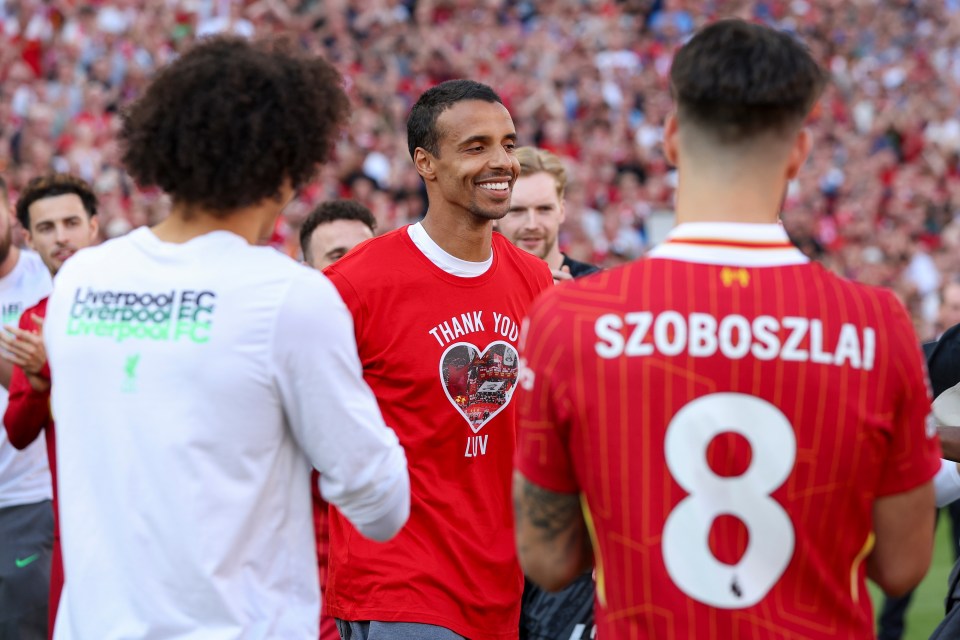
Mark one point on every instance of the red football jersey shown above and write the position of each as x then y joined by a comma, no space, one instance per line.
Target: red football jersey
729,413
440,353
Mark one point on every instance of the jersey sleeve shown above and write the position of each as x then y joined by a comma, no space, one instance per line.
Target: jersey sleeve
28,410
334,414
543,439
914,448
349,297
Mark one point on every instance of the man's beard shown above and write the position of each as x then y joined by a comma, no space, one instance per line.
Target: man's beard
6,242
486,214
548,246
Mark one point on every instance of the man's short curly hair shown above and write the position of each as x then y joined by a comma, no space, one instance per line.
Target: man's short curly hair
227,123
52,185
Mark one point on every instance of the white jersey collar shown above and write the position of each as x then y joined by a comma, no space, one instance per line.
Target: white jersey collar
729,243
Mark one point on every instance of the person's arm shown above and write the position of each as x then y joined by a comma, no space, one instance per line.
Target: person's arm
333,413
23,346
28,411
903,510
903,525
28,405
950,442
552,540
553,544
6,370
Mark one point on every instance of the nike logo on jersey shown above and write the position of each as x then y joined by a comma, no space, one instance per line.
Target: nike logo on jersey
23,562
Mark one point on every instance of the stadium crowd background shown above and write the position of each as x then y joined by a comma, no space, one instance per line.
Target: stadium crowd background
586,79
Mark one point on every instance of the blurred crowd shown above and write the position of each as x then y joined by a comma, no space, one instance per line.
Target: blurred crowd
586,79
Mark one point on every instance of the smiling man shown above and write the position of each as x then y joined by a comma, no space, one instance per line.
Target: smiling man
436,309
536,212
58,213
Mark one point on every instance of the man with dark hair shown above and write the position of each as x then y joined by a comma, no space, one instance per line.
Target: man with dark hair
197,377
536,212
332,229
58,213
749,434
26,516
436,307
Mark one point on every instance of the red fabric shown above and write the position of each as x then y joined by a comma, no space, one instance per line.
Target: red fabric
321,526
28,413
596,422
454,564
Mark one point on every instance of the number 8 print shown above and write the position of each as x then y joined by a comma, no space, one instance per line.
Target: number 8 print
686,547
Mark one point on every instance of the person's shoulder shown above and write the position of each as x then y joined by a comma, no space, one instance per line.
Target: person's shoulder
525,262
31,261
107,253
310,289
374,254
508,249
609,285
30,271
377,264
866,293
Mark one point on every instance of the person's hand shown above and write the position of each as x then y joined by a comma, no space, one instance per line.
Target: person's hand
25,348
561,274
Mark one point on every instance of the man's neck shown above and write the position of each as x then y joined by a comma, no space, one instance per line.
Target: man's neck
736,202
554,258
462,237
183,225
10,263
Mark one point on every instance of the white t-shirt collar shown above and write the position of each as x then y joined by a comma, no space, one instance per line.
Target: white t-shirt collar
451,264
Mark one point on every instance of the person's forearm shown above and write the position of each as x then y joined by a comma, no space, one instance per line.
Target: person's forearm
552,542
950,442
6,370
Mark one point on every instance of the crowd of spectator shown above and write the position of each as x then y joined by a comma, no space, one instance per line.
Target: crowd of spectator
586,79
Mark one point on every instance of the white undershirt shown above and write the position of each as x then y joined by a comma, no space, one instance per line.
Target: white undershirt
451,264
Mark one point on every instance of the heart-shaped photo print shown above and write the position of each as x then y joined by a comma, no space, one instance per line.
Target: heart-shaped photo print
479,383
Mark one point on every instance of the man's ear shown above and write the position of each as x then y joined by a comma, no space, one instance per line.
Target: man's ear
94,228
671,139
802,145
28,239
425,162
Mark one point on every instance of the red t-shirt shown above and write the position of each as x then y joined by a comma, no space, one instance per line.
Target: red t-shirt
439,352
729,428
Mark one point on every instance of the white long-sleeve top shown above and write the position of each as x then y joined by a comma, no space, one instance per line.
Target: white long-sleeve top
193,386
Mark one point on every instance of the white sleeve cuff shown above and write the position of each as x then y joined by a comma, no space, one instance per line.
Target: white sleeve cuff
946,483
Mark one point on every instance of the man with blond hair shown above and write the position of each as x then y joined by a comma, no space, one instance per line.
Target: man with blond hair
536,212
